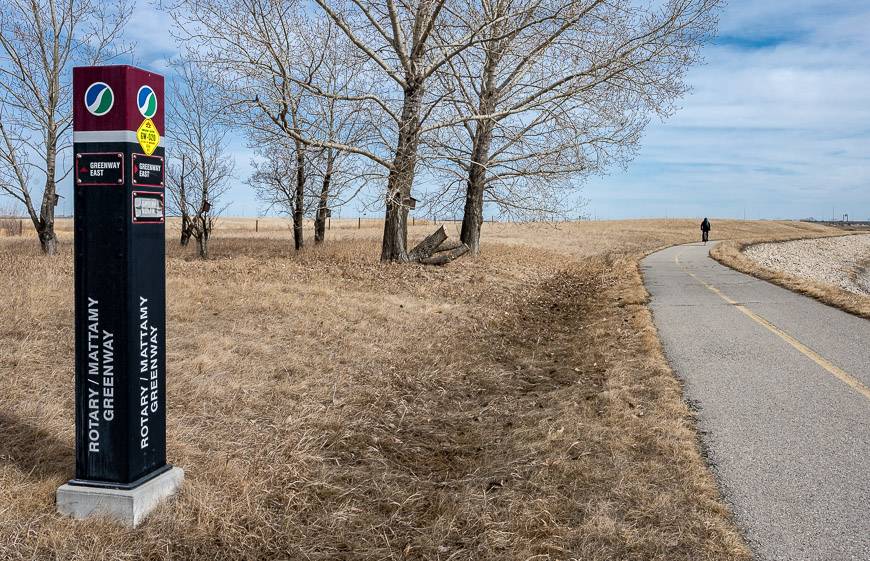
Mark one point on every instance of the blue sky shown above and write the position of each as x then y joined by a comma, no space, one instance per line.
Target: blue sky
777,124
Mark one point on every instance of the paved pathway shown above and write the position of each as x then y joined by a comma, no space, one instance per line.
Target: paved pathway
782,384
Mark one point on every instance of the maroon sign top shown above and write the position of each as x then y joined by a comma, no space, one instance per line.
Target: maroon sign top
118,97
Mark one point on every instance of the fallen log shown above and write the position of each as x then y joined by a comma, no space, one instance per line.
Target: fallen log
445,257
436,250
428,246
448,246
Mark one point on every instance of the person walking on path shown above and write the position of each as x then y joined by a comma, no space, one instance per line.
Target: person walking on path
705,230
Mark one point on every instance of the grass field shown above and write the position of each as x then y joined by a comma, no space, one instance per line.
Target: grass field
325,406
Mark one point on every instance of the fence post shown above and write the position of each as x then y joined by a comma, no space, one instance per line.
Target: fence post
358,222
329,223
257,225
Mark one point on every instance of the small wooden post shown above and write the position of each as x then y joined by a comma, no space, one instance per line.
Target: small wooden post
358,222
329,223
257,225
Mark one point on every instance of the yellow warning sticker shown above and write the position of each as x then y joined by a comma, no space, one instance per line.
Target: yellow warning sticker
148,136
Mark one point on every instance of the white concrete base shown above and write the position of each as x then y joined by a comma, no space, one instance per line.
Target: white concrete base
127,506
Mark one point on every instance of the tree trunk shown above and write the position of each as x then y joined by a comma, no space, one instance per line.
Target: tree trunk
186,226
48,239
186,229
472,217
201,230
298,208
323,205
202,243
45,226
395,243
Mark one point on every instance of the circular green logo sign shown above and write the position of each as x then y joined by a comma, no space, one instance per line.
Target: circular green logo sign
146,100
99,98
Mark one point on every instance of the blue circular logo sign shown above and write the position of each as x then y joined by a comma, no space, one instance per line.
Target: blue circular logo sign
99,98
146,100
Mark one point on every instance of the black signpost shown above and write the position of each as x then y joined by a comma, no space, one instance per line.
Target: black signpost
120,294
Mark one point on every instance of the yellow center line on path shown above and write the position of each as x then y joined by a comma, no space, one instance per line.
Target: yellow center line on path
838,373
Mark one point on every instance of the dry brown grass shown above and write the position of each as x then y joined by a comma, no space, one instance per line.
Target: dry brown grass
325,406
11,226
731,253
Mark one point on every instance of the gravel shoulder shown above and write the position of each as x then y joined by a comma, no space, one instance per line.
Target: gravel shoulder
839,261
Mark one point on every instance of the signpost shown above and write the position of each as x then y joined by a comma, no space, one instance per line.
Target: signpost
120,293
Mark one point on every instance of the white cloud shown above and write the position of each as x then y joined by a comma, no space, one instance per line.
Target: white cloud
148,29
779,122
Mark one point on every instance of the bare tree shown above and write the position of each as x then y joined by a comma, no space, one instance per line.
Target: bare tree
559,90
289,79
40,41
401,41
334,177
275,181
201,169
257,43
337,178
332,117
326,186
